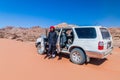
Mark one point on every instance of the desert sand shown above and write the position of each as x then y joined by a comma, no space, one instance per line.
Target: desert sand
20,61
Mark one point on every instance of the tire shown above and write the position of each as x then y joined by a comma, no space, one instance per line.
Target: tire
77,56
40,50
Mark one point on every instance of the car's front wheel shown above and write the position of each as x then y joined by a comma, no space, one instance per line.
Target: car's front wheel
77,56
40,49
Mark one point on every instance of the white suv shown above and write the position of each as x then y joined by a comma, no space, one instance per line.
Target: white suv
82,43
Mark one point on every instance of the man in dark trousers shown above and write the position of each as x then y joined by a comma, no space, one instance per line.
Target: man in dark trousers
52,40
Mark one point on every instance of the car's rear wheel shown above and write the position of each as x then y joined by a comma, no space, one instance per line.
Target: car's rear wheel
77,56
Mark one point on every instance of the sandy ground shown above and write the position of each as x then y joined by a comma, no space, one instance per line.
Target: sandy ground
20,61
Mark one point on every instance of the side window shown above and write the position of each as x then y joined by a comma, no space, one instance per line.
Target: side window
86,32
105,33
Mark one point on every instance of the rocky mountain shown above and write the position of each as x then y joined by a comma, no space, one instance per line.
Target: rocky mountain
115,32
21,34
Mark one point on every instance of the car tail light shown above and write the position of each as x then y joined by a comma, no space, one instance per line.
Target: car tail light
100,45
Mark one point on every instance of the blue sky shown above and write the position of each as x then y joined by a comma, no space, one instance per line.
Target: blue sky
28,13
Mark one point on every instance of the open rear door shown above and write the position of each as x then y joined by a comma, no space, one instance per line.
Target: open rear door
58,31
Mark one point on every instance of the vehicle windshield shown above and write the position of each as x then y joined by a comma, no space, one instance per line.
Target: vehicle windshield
105,33
86,32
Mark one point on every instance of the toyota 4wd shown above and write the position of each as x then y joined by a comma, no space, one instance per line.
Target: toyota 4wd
82,43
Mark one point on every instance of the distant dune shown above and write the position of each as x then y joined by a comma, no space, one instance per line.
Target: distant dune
31,34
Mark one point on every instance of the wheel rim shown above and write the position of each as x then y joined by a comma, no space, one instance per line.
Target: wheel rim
76,57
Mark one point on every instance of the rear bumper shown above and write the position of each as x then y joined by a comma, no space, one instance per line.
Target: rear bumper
99,55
